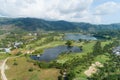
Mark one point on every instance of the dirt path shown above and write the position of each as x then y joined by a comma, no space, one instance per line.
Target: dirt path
3,67
3,76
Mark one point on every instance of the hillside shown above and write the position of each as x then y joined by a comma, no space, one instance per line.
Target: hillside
32,24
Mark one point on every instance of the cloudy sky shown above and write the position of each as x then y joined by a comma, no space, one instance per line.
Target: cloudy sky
92,11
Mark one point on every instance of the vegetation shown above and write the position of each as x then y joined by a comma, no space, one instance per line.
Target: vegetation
4,55
32,72
111,69
33,24
69,43
70,66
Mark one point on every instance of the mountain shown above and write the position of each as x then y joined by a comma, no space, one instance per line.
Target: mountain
32,24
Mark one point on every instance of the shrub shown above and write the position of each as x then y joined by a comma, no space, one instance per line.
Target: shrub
30,69
15,63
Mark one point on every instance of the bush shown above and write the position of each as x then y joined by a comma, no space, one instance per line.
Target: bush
43,65
19,53
59,77
30,70
15,63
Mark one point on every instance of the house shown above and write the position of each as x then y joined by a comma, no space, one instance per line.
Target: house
116,50
17,44
7,50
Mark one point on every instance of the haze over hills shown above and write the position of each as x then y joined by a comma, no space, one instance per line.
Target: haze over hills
32,24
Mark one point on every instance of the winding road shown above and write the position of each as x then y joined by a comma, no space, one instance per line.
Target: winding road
3,66
3,76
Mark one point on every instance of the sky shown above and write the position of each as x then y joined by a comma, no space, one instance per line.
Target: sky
90,11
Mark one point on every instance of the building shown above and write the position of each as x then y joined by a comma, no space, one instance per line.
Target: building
116,50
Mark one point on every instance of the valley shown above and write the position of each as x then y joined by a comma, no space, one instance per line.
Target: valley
59,40
66,63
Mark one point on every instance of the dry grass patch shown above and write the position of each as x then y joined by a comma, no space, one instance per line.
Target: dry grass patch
24,70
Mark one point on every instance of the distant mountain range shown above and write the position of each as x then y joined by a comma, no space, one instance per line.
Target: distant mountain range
32,24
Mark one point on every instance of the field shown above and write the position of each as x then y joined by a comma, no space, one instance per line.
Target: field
87,47
21,71
3,56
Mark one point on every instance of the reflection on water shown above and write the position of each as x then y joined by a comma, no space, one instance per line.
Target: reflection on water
53,53
76,37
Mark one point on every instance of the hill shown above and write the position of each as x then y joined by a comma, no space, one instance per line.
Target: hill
32,24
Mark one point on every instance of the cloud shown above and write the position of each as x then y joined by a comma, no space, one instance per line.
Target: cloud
107,8
70,6
70,10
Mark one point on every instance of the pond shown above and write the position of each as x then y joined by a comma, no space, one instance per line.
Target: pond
52,53
76,37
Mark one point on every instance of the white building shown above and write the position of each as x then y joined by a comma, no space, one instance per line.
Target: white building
116,50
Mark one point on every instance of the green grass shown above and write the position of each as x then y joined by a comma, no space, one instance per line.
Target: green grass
105,42
36,75
87,47
40,44
41,41
51,44
3,56
34,44
101,58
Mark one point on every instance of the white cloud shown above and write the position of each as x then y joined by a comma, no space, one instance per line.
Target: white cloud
107,8
73,6
71,10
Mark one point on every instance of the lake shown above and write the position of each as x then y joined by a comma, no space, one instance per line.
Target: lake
76,37
52,53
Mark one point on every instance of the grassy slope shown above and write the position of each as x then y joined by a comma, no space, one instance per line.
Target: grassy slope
52,44
101,58
105,42
20,75
87,47
38,43
20,71
3,56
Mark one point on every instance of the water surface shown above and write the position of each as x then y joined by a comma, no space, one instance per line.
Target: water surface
52,53
76,37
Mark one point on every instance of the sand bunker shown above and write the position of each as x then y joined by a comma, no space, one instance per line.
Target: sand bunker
93,69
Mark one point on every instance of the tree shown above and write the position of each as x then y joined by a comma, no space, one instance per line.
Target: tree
69,43
71,75
97,49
